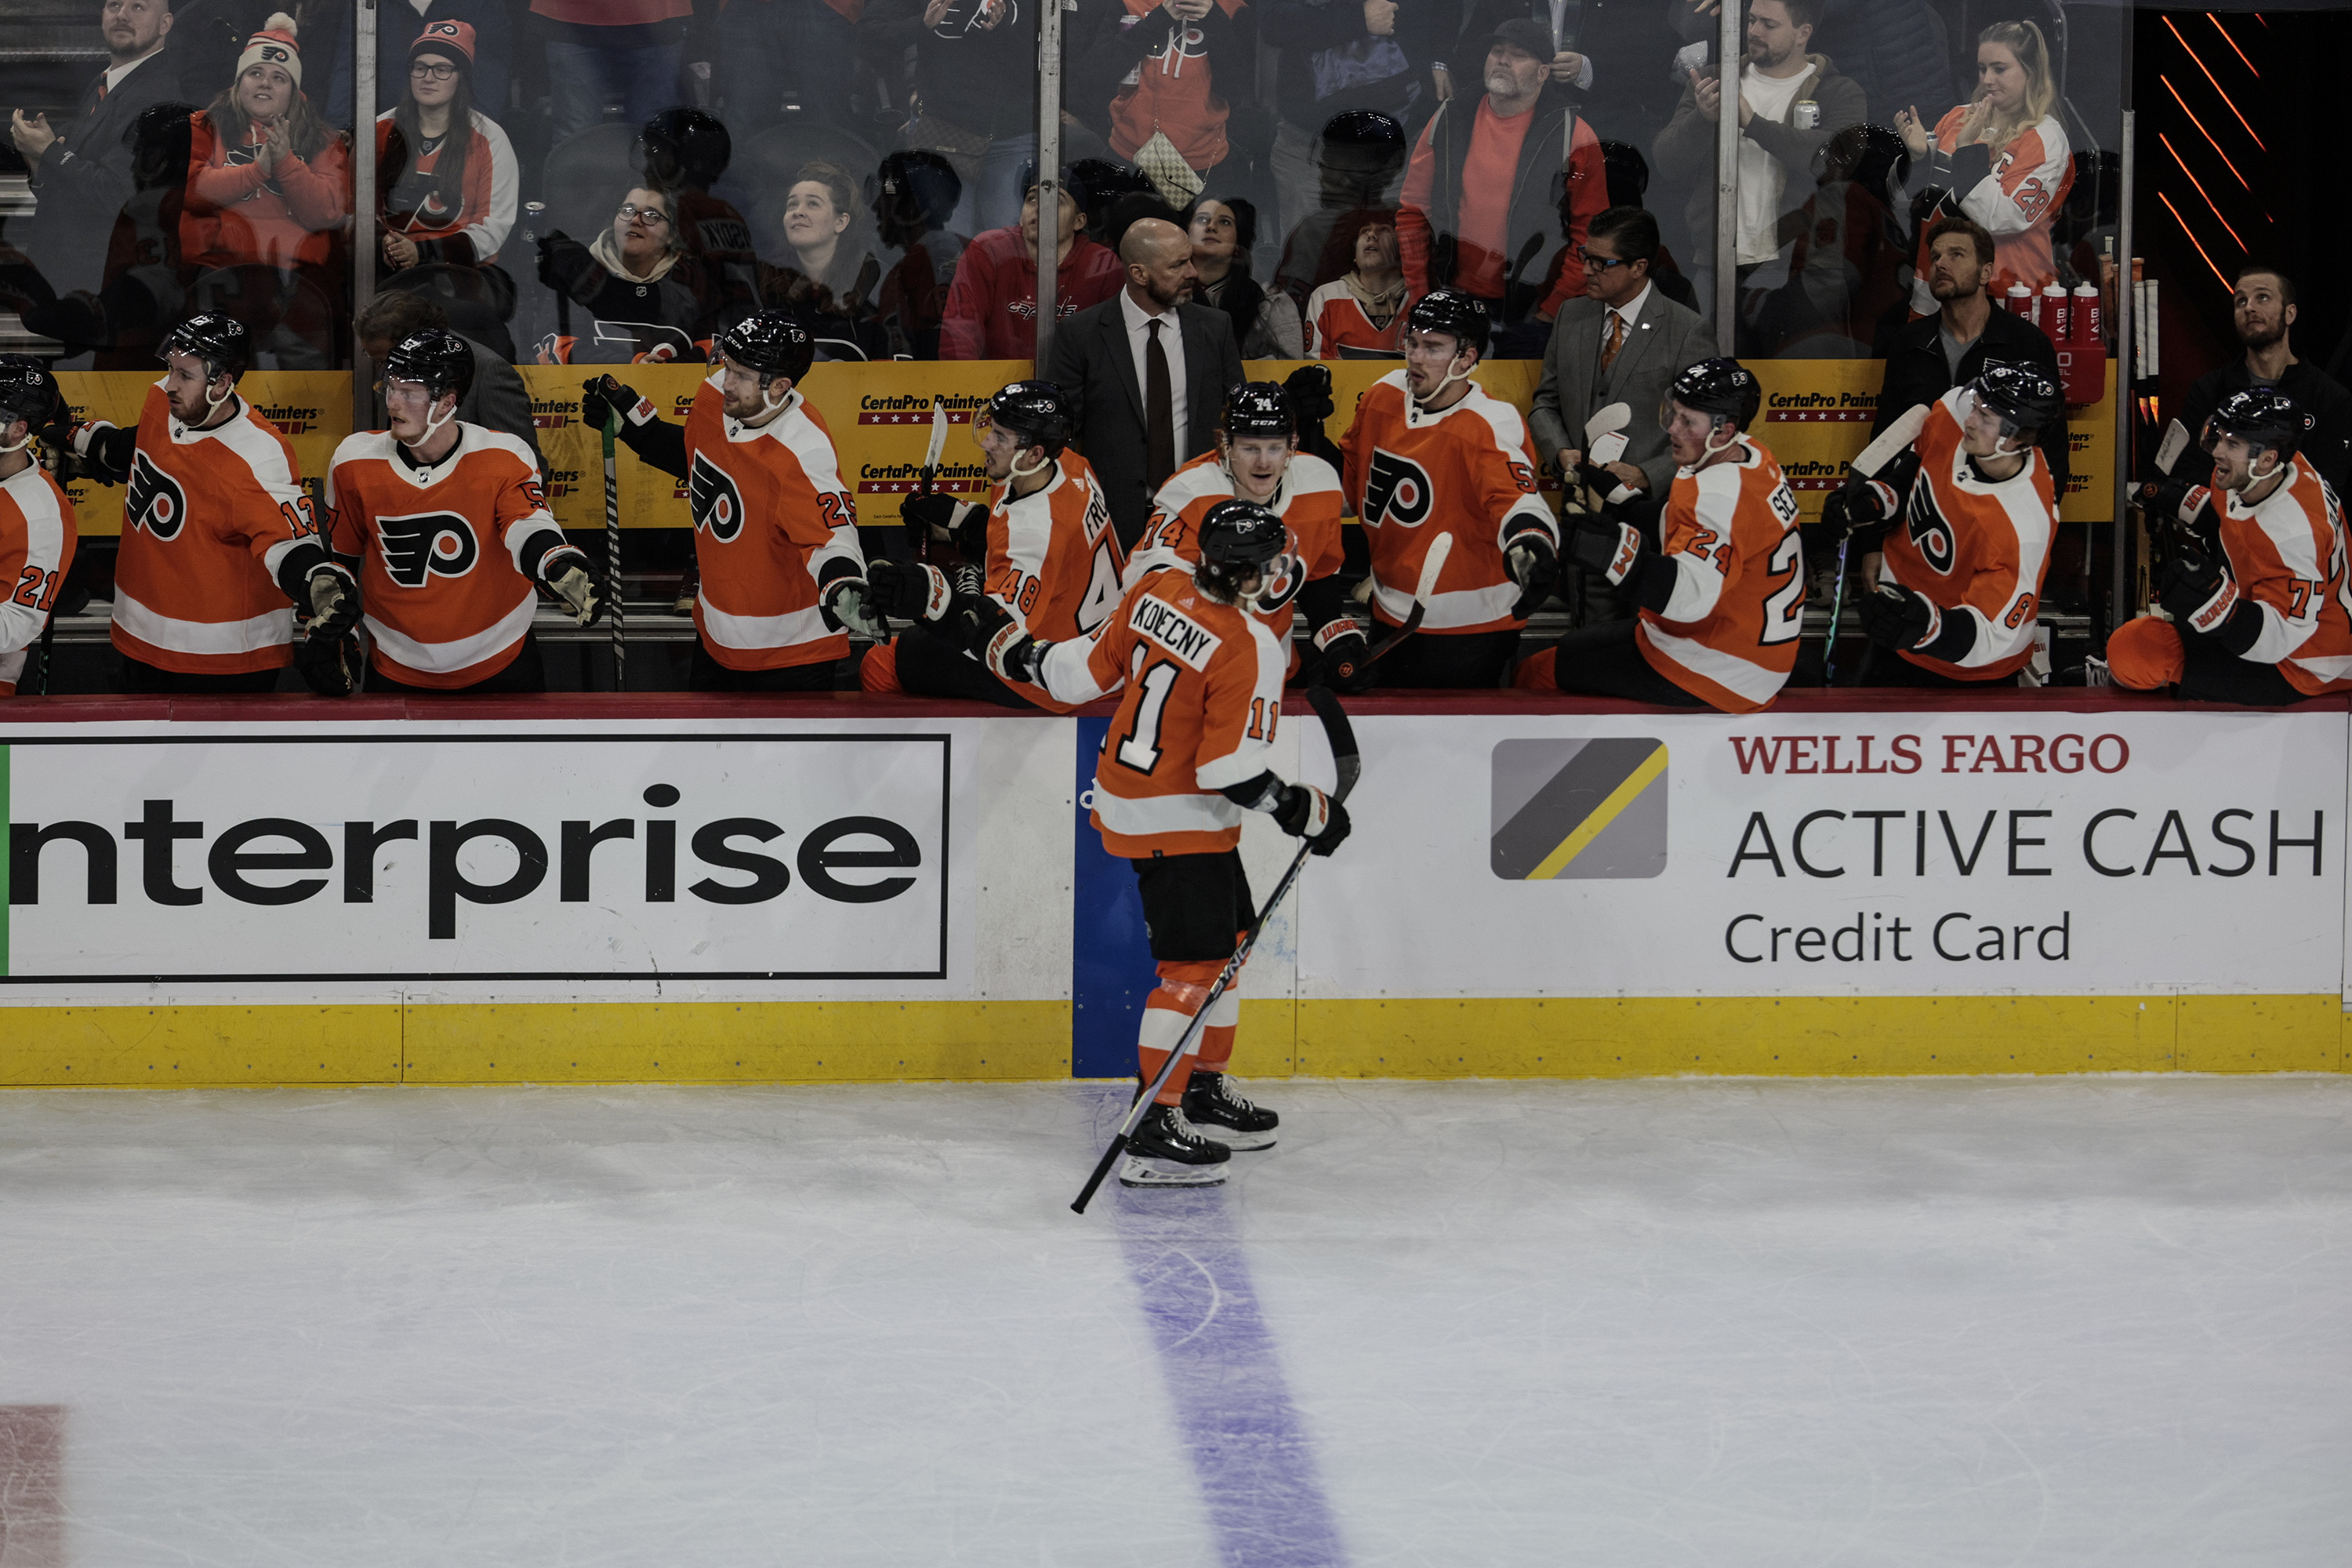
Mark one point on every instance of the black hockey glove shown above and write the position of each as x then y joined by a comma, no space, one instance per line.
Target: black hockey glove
1611,550
2201,597
850,602
2189,504
601,398
330,667
1013,655
908,590
1534,564
1309,387
936,517
1307,813
1896,618
565,573
335,599
973,618
1347,657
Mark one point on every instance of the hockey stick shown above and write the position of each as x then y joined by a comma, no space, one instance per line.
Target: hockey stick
1431,565
931,471
1877,455
1348,765
612,551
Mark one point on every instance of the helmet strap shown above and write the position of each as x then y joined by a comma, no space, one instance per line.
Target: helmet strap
1714,446
1038,468
1452,375
14,447
432,425
211,403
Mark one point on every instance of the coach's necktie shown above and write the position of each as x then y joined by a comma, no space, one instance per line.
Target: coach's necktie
1616,341
1159,411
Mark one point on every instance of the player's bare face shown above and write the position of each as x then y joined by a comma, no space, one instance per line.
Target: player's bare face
2238,463
2000,81
409,407
1953,270
183,389
1001,447
741,400
1687,431
1257,463
1429,358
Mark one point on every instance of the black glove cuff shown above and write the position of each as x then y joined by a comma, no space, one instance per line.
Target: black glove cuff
1655,579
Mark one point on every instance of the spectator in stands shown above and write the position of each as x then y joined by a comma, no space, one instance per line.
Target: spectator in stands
915,196
1848,264
974,68
2002,159
1339,56
1929,357
992,308
1153,73
1898,50
684,151
2262,309
445,173
1362,314
1358,157
497,400
1790,103
1615,56
486,78
1480,196
1265,321
600,53
267,181
834,267
81,174
1146,373
642,293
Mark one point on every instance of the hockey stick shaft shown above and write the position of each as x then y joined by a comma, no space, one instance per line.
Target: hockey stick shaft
613,553
1347,767
1837,603
1432,562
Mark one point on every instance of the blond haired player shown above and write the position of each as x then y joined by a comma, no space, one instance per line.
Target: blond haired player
1721,594
1201,679
775,526
2256,586
217,536
36,521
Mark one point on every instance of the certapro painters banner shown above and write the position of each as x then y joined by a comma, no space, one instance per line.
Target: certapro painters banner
738,859
1892,854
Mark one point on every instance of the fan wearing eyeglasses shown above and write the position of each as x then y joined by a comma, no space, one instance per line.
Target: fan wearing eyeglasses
648,294
447,171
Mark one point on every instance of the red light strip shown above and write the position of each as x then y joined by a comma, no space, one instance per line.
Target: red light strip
2217,86
2231,42
2192,238
2200,189
2200,127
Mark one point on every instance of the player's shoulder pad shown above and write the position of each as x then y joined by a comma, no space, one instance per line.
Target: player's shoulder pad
1193,482
37,497
1310,475
481,438
1394,381
262,444
1717,488
1502,418
363,447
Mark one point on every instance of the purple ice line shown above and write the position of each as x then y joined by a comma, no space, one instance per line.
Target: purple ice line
1248,1447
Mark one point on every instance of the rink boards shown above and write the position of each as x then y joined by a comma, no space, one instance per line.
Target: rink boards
599,889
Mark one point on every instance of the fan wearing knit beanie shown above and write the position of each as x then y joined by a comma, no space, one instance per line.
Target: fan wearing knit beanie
444,171
269,182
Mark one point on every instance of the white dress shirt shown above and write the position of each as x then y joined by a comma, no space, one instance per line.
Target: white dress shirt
1171,344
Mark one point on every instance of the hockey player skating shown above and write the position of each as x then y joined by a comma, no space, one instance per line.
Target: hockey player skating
1722,595
217,536
1430,454
1201,683
1257,460
1045,544
453,533
775,526
2255,586
37,521
1965,519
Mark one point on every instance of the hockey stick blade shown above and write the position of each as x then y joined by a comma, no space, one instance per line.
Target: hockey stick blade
1431,564
2176,441
938,443
1604,435
1890,441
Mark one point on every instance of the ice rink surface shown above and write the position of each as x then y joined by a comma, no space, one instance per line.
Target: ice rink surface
1707,1322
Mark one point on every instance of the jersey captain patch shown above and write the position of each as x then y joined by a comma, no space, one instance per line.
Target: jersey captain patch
436,543
153,499
1396,489
713,500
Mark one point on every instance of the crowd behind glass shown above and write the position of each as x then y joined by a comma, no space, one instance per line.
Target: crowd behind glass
610,180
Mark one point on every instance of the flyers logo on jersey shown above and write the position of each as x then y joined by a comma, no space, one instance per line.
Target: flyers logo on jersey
1395,491
1929,532
1174,630
436,543
712,499
153,499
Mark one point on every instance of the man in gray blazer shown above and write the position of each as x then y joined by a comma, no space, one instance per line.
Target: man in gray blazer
1622,342
1148,374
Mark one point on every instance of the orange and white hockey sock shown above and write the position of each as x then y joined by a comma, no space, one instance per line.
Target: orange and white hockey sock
1217,1032
1166,1012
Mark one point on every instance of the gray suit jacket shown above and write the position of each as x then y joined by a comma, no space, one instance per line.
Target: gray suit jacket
1093,363
83,181
1666,340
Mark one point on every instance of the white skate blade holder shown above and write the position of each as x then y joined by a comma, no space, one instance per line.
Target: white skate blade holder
1139,1171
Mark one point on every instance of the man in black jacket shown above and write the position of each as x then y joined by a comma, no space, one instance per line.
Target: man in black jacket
1148,374
2264,311
1936,354
81,174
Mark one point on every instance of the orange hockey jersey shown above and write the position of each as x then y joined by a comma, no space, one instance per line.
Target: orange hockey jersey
1308,499
773,522
2287,555
2016,202
1336,322
1468,471
207,516
443,576
1975,546
36,550
1054,559
1729,634
1203,695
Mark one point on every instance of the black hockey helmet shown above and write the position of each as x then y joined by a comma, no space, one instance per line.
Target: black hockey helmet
2020,395
1452,312
1036,412
27,391
916,182
2262,416
771,343
686,144
1259,408
1363,128
1723,387
436,359
1237,538
221,341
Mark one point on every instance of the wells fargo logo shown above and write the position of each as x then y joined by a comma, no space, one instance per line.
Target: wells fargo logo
1578,810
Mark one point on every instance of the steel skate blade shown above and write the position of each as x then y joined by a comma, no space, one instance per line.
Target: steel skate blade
1239,1143
1135,1172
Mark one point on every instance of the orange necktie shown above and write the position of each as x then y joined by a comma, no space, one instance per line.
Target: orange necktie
1616,340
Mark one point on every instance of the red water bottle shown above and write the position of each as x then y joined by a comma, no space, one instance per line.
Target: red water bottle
2085,325
2050,311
